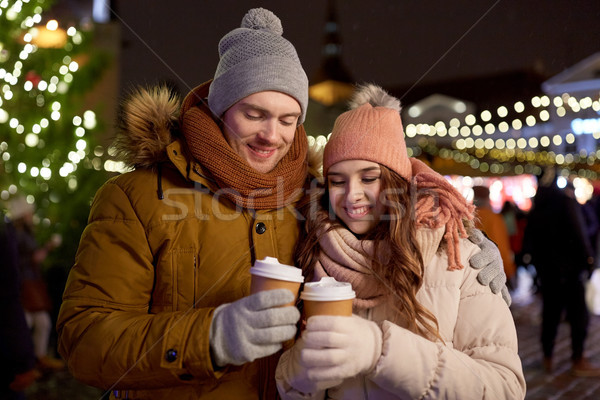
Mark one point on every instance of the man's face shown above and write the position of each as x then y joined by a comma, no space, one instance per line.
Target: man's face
261,127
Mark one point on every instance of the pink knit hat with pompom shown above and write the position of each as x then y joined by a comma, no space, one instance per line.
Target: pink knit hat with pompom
371,130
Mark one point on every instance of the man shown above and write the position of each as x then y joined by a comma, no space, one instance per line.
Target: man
158,302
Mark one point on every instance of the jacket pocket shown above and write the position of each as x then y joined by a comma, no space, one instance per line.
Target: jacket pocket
175,280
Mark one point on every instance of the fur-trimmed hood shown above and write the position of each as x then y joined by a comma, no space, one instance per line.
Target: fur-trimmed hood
149,122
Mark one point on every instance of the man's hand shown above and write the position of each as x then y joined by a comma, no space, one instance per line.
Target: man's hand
489,261
252,327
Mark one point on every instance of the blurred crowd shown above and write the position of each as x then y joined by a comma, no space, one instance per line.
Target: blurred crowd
555,245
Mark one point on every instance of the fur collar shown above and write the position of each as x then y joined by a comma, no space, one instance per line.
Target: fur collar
147,124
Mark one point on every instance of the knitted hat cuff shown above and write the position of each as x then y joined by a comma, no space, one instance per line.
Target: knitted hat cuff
369,133
254,75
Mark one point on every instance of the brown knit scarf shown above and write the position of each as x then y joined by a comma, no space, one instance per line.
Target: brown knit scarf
241,183
348,259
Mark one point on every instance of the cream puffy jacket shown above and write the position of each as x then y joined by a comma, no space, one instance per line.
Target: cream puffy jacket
479,359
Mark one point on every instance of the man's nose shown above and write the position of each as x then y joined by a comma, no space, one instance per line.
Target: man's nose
268,131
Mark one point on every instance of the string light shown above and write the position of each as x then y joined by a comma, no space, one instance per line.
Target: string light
465,136
43,90
499,155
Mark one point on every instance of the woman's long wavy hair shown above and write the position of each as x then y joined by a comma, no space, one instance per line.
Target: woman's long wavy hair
396,260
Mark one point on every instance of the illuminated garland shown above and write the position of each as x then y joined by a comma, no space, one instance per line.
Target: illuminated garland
500,156
472,145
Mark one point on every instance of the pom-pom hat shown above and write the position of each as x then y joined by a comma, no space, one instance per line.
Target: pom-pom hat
256,58
371,130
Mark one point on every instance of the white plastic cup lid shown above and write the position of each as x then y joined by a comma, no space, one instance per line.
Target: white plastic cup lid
270,267
327,289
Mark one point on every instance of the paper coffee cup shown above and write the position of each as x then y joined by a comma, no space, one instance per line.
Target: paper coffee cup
269,273
327,297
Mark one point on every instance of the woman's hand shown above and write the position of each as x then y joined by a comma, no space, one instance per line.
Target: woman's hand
337,348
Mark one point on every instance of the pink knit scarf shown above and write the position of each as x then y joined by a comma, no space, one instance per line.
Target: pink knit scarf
348,259
440,204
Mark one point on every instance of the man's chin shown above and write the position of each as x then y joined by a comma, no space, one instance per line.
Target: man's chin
263,168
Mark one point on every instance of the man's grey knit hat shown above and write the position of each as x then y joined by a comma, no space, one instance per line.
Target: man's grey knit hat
255,58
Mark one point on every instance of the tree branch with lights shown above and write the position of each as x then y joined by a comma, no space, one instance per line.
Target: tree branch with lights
49,143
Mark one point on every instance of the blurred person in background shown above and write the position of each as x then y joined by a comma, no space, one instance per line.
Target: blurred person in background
17,359
34,291
516,221
591,217
493,225
557,243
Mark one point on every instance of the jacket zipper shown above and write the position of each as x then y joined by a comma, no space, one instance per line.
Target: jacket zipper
194,282
365,389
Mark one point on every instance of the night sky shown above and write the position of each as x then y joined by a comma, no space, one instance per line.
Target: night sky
389,42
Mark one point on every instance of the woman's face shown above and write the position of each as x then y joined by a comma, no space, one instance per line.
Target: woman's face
354,187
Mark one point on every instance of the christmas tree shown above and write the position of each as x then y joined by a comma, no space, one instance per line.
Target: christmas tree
49,144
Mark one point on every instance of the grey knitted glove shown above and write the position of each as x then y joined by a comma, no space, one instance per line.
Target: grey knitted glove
489,261
252,327
292,374
338,348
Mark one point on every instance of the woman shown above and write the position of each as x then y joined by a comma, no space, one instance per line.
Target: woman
423,327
